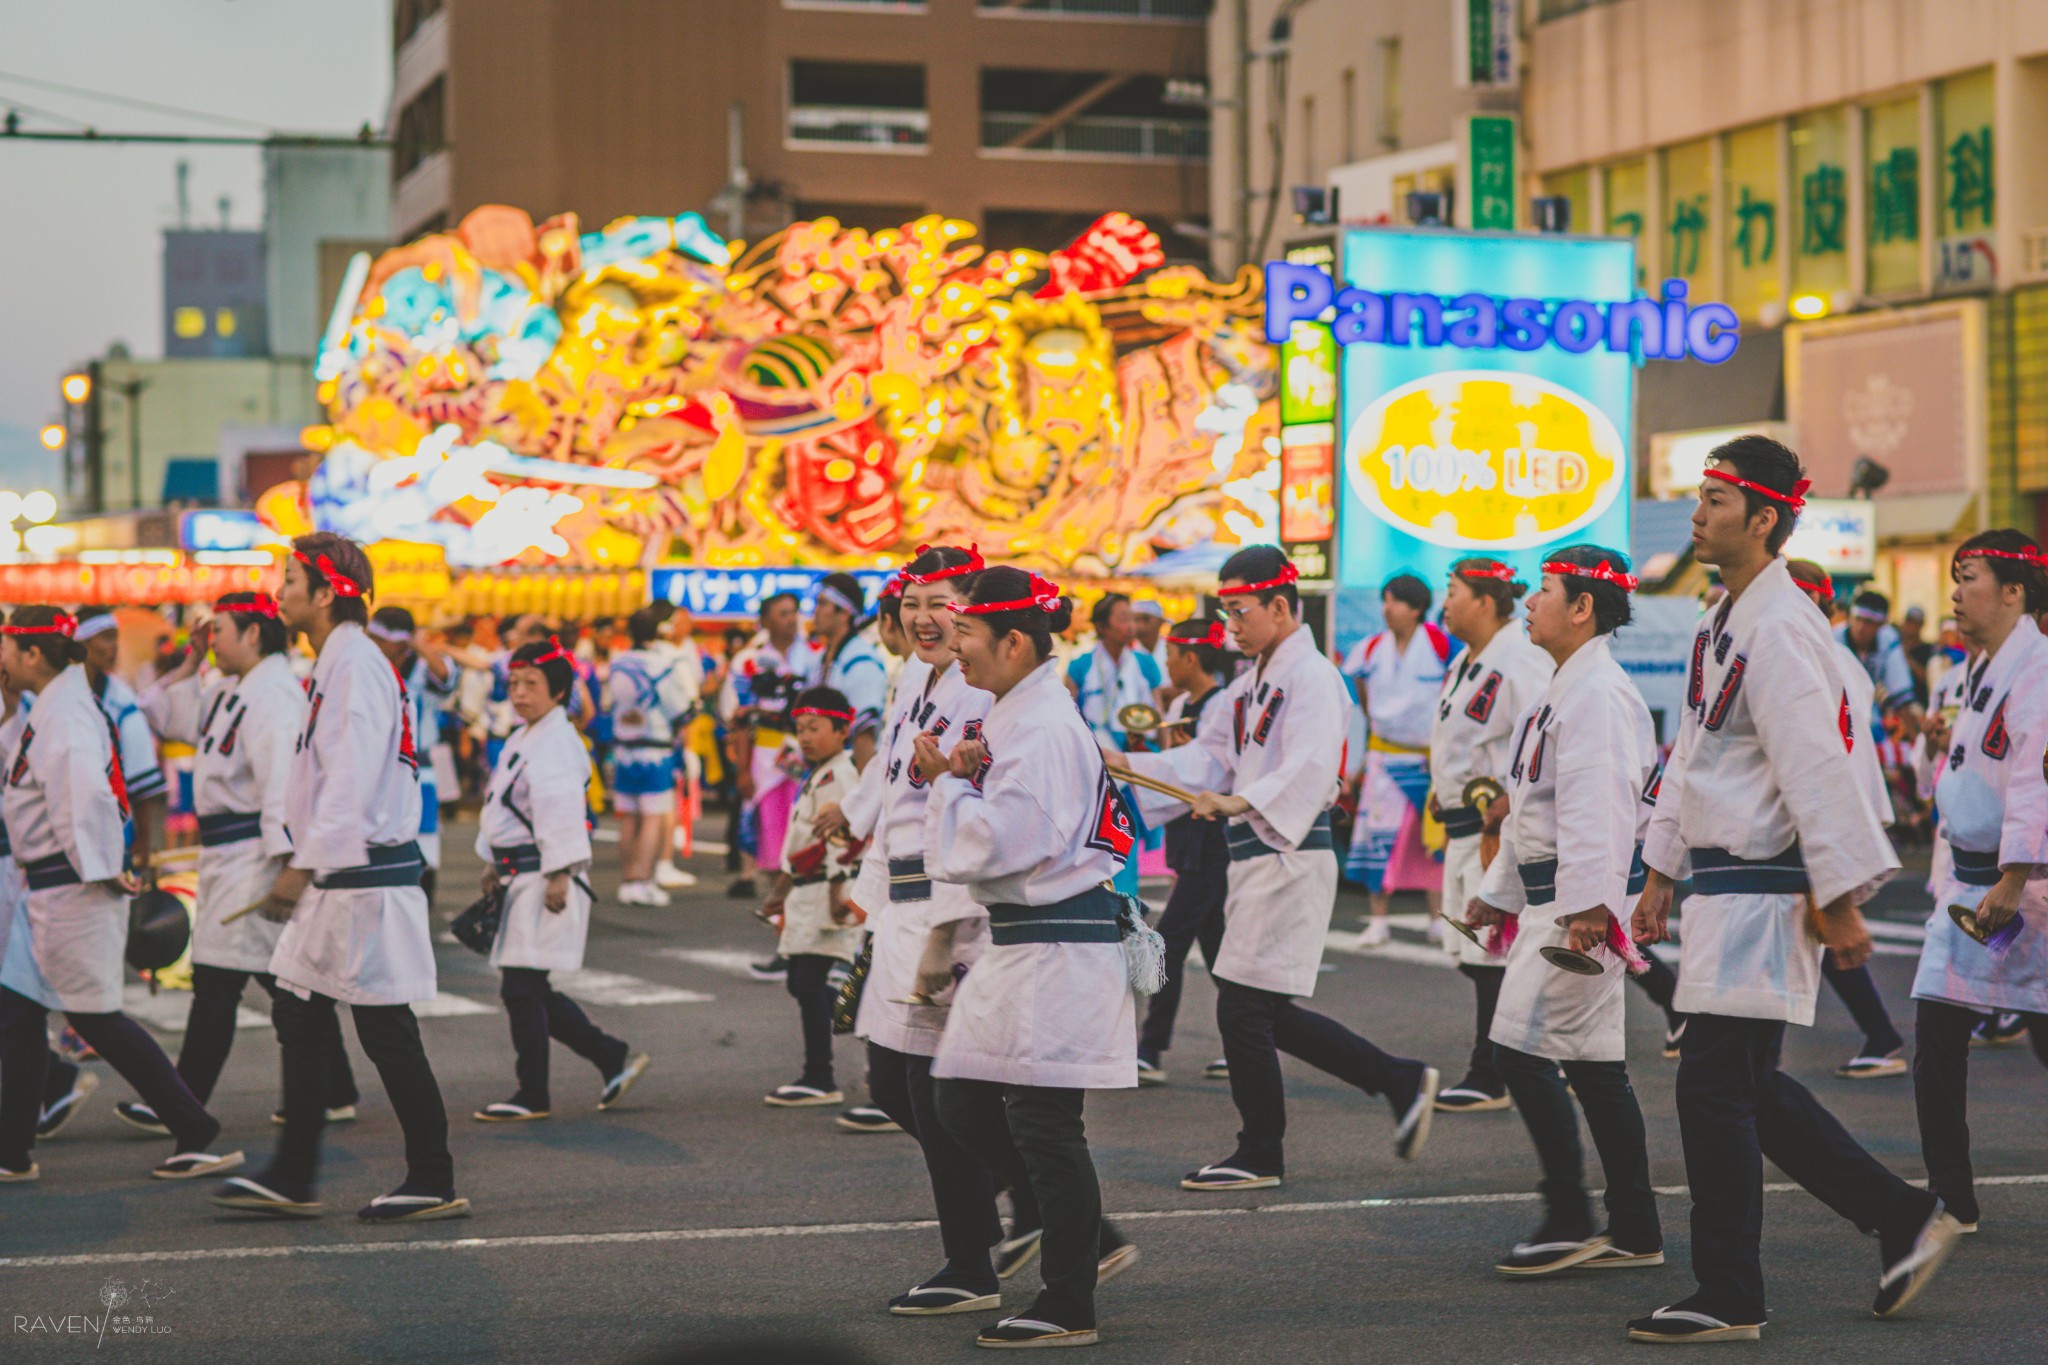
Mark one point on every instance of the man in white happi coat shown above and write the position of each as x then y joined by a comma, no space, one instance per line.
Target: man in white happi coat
355,918
1994,814
1495,681
1760,804
1273,775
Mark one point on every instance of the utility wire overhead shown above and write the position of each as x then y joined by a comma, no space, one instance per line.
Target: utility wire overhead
151,106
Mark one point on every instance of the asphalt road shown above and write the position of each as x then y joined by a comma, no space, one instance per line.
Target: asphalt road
695,1215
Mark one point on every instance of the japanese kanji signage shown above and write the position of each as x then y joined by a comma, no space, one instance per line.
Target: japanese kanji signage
1486,172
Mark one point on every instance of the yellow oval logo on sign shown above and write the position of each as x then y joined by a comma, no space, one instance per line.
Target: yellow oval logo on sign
1485,459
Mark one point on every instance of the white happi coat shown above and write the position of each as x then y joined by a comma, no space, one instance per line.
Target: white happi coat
1861,692
63,799
536,797
354,786
1580,760
13,891
1043,823
1282,752
1483,698
902,927
807,923
1994,798
243,731
1761,762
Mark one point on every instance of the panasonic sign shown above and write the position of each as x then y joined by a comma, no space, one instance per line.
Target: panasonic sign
1669,328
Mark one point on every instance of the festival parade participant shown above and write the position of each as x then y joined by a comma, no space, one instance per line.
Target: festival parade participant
1752,805
1024,818
1583,753
65,807
1273,775
819,931
851,663
1994,814
1883,1048
98,637
1498,678
914,919
243,726
1399,674
535,843
649,692
429,679
759,685
355,916
1198,658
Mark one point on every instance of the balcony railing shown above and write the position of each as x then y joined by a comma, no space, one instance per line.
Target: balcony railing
860,129
1184,11
1148,139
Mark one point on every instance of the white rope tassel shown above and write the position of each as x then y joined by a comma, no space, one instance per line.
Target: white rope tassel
1144,948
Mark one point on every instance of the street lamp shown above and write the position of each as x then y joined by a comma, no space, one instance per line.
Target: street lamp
53,437
77,388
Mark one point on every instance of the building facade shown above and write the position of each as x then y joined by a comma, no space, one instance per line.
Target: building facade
1027,117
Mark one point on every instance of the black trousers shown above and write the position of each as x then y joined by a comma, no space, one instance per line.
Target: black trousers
1481,1073
1032,1137
1257,1027
1660,983
1193,914
121,1042
1616,1120
809,984
1735,1107
1866,1006
539,1012
963,1190
390,1036
1941,1091
210,1033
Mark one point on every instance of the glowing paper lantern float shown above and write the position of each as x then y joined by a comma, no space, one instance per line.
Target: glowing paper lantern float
536,394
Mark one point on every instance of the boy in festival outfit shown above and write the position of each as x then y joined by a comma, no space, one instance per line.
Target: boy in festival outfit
356,930
1497,680
1273,775
1752,805
1994,814
1582,755
650,689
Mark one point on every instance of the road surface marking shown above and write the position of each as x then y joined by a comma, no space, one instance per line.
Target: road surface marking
616,988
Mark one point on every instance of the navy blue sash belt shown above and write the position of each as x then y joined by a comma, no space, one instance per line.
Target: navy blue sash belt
229,827
907,881
55,870
1975,869
1245,843
389,865
1717,872
517,858
1089,917
1539,879
1462,821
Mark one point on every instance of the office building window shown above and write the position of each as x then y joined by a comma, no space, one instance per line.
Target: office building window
865,106
422,128
1387,53
407,16
1350,130
1087,114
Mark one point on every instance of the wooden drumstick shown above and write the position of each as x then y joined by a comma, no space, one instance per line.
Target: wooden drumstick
1151,784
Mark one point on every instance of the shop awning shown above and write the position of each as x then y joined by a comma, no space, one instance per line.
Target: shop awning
1923,516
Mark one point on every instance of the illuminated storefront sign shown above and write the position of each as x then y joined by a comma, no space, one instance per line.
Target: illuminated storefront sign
222,530
740,592
1447,450
1308,497
1839,534
1668,328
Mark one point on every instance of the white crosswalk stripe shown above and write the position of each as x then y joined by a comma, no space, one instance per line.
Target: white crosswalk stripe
729,961
593,987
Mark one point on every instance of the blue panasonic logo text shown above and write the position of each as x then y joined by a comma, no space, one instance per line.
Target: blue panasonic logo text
1666,329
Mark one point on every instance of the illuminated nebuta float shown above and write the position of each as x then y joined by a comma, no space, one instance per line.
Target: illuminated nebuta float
648,393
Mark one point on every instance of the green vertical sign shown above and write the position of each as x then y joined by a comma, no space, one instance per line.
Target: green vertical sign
1490,163
1479,41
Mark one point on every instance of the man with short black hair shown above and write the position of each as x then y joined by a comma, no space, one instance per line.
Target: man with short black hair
1870,636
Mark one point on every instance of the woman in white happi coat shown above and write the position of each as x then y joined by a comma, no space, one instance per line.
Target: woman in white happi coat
1759,804
1273,775
65,808
243,725
913,920
1025,818
1994,813
1496,679
535,843
1579,761
355,918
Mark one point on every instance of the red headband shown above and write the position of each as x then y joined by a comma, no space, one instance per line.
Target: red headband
1045,595
1604,573
63,625
975,564
1796,499
1485,568
264,606
343,585
1286,576
1826,586
846,716
555,651
893,588
1215,639
2031,555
